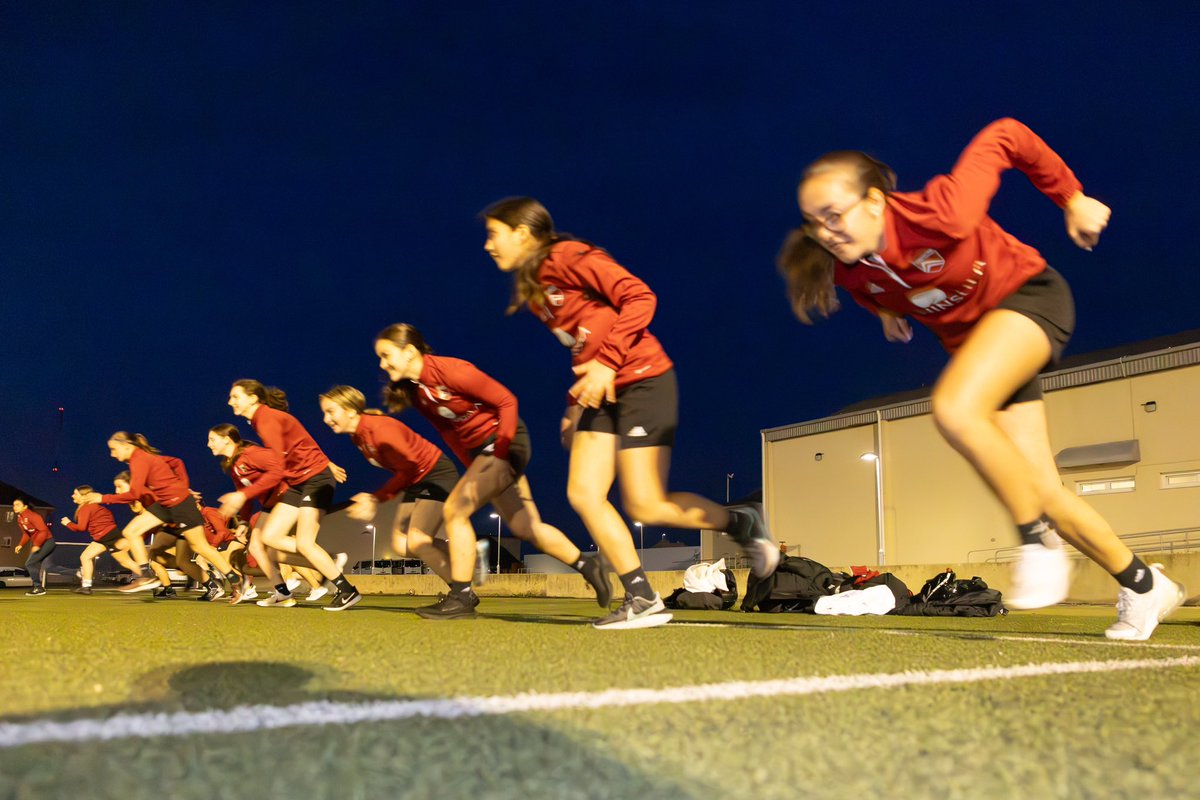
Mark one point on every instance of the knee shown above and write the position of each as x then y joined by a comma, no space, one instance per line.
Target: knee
456,510
953,416
647,512
584,499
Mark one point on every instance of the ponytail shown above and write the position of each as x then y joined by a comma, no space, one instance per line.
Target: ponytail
270,396
351,399
231,433
136,439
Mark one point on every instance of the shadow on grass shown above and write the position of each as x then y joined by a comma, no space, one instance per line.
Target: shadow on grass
480,756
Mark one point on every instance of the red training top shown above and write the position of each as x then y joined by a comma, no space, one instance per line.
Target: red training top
33,527
465,405
601,311
161,479
215,529
945,262
283,433
95,519
258,473
390,444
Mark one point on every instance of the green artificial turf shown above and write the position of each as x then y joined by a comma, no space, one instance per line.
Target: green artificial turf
1112,734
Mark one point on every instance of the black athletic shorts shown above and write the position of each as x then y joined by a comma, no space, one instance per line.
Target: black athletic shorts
1046,299
436,485
111,539
519,449
186,515
316,492
646,413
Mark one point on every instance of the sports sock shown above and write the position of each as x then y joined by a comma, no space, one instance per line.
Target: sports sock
343,586
1136,576
637,584
1033,532
741,525
579,565
460,587
87,584
281,588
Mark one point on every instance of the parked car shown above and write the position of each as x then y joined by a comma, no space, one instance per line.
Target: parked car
389,566
14,576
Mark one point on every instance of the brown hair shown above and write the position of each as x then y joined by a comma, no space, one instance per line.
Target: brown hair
398,395
270,396
804,263
84,489
135,439
122,476
349,398
515,211
234,435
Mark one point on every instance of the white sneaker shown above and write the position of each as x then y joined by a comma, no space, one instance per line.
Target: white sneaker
250,593
339,561
293,583
1139,614
316,594
482,547
277,599
635,612
1041,577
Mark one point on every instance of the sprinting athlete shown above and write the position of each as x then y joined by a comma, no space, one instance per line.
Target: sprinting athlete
477,418
623,406
937,257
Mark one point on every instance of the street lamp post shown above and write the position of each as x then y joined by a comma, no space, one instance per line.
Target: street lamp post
497,518
371,528
728,478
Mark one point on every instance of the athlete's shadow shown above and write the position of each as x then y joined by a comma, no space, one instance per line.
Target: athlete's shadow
258,727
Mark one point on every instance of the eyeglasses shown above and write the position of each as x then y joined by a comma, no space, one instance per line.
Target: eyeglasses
832,221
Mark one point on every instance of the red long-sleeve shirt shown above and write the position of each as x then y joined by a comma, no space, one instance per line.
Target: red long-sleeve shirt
33,528
601,311
95,519
215,530
257,472
283,433
390,444
157,477
466,406
945,262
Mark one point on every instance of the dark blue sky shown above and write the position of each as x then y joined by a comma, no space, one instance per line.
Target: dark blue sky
192,193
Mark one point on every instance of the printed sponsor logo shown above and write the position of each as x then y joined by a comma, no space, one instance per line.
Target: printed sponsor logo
927,297
930,262
445,412
637,431
554,296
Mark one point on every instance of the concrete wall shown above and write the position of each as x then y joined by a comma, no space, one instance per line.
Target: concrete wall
937,510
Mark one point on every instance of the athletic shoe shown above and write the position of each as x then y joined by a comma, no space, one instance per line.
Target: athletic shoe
143,583
452,606
82,590
1040,578
241,594
215,592
749,529
293,583
277,599
635,612
1139,614
36,591
316,594
343,600
166,592
597,577
339,561
482,546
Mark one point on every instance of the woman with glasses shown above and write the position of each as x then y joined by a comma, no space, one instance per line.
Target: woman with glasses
937,257
623,406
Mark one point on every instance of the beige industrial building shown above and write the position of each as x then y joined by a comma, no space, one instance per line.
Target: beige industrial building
876,484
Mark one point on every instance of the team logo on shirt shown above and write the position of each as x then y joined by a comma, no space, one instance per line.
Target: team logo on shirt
874,288
930,262
554,296
442,393
927,297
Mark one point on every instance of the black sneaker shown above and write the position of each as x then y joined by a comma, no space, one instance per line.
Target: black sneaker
343,600
452,606
82,590
749,530
597,577
36,591
166,592
215,591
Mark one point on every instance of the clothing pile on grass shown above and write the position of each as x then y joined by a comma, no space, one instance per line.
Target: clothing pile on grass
801,585
706,587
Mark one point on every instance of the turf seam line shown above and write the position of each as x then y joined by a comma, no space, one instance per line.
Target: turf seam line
247,719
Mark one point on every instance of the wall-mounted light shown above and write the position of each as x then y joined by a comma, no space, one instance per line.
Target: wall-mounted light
1150,407
868,457
818,456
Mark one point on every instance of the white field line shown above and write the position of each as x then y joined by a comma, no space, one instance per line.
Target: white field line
245,719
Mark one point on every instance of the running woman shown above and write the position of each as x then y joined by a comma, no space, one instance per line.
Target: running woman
419,469
163,480
97,521
1001,312
311,481
477,417
161,536
623,406
41,543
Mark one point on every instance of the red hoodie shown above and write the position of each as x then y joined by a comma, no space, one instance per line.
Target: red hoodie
158,478
945,262
215,530
465,405
390,444
283,433
32,527
257,472
95,519
601,311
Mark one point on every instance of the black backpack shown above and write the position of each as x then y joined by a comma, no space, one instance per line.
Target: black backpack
796,585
